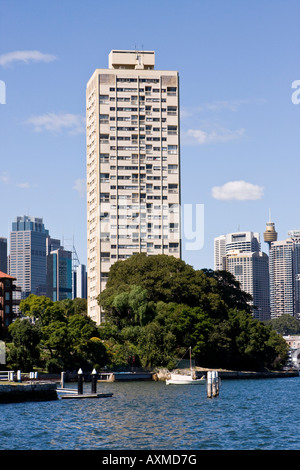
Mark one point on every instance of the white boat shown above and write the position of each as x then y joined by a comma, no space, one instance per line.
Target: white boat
180,379
176,378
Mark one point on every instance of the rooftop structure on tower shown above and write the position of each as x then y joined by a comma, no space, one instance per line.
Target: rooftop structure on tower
270,234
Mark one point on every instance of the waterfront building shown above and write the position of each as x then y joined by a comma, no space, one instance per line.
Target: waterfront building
59,274
285,276
240,254
28,255
3,255
133,165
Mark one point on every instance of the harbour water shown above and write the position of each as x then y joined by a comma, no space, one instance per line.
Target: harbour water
247,415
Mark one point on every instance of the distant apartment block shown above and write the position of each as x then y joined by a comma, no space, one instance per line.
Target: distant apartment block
133,165
239,253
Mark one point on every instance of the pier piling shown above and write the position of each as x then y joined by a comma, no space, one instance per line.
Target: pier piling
62,379
94,381
80,382
212,384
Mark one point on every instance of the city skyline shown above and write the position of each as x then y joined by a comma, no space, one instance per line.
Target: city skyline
239,126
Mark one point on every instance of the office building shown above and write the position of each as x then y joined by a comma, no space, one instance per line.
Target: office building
219,253
251,269
80,282
28,255
59,274
3,255
285,276
243,241
240,254
133,165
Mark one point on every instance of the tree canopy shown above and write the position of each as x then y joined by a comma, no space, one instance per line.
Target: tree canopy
157,306
55,336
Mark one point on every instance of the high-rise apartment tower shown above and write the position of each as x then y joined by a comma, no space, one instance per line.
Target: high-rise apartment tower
133,165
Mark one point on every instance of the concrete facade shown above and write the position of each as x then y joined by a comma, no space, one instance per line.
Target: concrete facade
133,165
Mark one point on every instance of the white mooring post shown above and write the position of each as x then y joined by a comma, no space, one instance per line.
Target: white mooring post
80,382
19,378
209,384
212,384
215,384
62,379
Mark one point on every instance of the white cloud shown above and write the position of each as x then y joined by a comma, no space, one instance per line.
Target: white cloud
23,185
26,57
80,187
237,190
201,137
4,177
52,122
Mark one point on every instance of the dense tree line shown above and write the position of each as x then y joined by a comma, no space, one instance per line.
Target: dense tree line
54,336
155,308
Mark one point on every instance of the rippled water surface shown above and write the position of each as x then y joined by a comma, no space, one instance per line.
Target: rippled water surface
248,414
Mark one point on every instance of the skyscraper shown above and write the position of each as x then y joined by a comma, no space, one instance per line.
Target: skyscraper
3,255
243,241
133,165
285,276
59,274
239,253
28,255
80,282
251,269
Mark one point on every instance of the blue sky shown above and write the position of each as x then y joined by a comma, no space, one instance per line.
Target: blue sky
240,137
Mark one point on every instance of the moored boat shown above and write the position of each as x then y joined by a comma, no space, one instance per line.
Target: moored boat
176,378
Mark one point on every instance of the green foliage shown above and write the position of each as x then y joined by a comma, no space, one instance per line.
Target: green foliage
24,351
157,306
286,325
56,335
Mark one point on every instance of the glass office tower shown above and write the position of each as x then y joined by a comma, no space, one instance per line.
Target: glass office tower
28,255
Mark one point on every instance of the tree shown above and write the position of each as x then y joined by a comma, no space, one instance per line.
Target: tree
24,353
66,337
41,308
164,277
172,306
286,325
